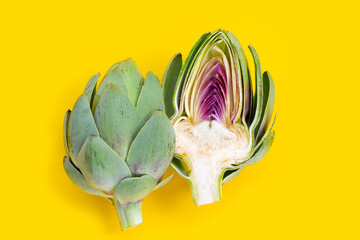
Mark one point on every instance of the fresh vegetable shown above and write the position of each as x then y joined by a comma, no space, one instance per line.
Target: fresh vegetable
118,140
220,125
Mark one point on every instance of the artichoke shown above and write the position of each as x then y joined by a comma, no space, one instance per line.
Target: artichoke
220,125
118,140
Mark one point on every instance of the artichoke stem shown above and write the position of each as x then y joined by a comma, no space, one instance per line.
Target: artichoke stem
129,215
205,184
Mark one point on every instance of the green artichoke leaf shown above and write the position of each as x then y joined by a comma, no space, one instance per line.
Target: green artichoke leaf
133,189
117,120
269,99
178,165
153,148
262,151
230,174
245,76
127,76
113,76
90,88
81,125
66,131
150,98
258,104
100,165
169,82
132,78
265,136
78,179
185,69
163,182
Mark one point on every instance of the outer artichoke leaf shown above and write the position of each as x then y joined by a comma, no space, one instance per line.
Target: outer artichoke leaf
100,165
81,125
117,120
78,179
127,76
184,70
245,76
269,99
133,189
150,98
66,131
268,131
257,109
163,182
262,151
90,88
250,116
132,78
113,76
169,82
230,174
153,148
178,165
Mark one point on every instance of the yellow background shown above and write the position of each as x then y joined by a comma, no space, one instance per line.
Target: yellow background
307,187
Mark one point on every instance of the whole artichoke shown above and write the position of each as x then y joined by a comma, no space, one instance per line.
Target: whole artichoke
118,139
220,125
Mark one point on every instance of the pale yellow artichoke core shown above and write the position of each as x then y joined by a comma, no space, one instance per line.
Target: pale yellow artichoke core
211,142
210,148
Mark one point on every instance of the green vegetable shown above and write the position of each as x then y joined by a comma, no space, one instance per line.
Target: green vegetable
220,125
118,140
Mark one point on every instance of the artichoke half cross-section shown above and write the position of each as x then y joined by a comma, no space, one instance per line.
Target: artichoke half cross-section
220,125
118,140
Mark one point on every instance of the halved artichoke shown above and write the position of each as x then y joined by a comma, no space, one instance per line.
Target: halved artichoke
220,125
118,140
